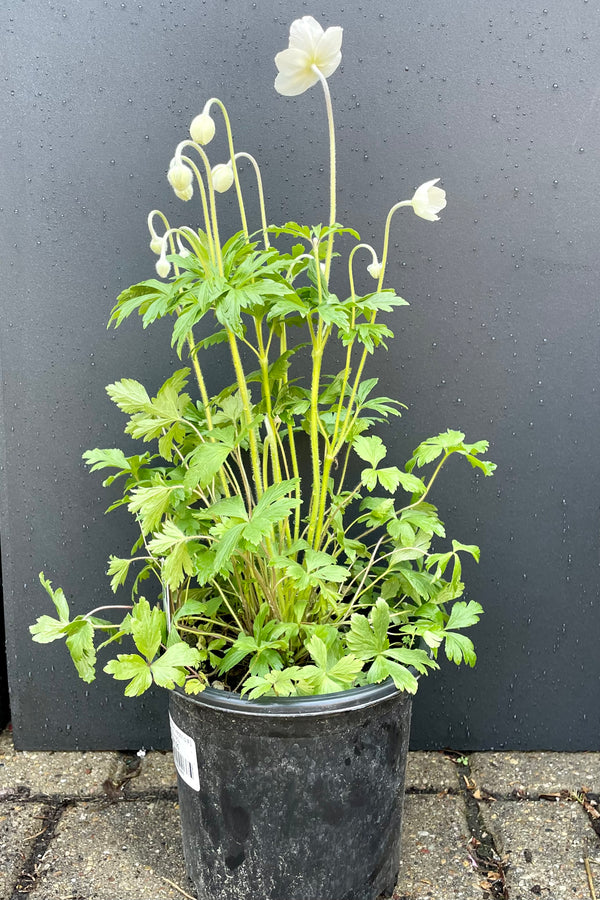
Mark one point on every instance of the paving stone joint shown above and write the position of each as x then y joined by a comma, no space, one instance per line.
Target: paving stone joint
105,826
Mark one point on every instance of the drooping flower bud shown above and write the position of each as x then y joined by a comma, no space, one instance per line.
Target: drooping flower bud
202,129
187,194
163,266
374,270
180,176
222,177
156,244
183,251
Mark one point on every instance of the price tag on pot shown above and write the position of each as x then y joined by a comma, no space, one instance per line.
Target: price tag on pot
184,756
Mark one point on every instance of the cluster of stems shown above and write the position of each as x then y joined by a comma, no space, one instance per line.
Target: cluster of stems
269,461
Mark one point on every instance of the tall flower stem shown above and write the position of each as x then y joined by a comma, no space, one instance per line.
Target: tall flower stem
386,239
216,102
332,169
261,195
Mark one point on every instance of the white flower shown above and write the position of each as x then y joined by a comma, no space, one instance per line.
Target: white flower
428,200
309,46
374,270
180,177
202,129
156,244
222,177
163,267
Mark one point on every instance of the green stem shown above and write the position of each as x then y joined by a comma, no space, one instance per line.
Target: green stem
232,155
261,196
205,212
332,169
386,238
245,397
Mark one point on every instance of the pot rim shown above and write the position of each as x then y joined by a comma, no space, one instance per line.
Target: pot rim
314,705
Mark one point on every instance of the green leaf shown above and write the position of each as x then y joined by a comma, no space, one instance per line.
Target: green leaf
152,503
129,395
148,626
473,549
371,449
411,483
130,666
389,478
274,506
113,458
383,668
380,620
362,640
173,545
47,629
58,598
332,672
205,463
80,641
462,614
459,647
168,670
118,568
195,685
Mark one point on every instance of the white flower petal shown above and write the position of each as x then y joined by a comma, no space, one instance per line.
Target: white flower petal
292,85
428,200
293,60
328,51
295,73
305,33
309,47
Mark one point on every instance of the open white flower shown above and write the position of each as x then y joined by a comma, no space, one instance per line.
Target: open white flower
309,46
428,200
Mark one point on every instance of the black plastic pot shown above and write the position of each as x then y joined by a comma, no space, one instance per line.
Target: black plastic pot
293,798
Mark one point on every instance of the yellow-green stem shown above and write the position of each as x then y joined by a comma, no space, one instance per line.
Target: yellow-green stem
332,169
261,196
238,188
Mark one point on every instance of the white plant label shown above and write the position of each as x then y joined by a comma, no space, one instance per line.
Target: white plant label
184,756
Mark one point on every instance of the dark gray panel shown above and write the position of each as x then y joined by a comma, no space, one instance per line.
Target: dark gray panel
501,337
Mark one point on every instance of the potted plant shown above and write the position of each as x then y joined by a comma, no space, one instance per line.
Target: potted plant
296,594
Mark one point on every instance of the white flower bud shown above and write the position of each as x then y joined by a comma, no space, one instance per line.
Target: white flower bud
163,267
222,177
374,270
180,176
187,194
202,129
156,244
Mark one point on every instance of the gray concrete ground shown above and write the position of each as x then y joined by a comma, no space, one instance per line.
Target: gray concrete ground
104,826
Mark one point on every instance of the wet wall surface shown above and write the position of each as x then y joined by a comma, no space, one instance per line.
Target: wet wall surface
501,338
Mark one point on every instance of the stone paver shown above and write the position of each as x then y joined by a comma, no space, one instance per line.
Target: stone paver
545,843
157,773
431,771
118,851
435,863
535,773
18,825
60,774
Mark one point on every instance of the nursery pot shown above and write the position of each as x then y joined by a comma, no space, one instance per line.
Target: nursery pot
295,798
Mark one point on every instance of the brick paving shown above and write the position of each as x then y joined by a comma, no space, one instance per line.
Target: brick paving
104,826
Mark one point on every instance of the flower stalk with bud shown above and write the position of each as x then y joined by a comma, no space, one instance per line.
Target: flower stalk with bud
280,571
